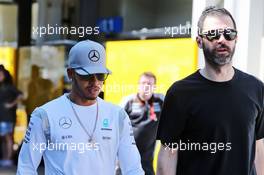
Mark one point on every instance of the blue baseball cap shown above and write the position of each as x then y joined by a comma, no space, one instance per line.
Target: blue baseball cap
88,57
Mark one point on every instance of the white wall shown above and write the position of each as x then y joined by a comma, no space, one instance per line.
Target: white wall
261,76
255,36
262,53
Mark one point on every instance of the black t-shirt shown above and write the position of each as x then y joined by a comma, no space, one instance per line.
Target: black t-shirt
8,93
144,119
215,123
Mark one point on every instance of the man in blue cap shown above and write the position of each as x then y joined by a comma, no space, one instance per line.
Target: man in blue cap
79,133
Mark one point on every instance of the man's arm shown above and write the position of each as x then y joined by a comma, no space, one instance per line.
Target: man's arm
34,145
167,161
15,102
128,155
259,159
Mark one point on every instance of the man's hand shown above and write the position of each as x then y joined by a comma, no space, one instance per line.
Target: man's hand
9,105
259,159
167,161
14,103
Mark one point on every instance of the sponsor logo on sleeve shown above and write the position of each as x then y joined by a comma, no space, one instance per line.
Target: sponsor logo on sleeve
28,132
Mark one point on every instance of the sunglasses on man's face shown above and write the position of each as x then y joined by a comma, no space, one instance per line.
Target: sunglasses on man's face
211,35
99,77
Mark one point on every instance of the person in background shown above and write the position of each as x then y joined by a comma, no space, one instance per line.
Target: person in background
39,91
144,110
9,98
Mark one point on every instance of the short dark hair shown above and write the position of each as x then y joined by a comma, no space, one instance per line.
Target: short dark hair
213,11
149,74
8,80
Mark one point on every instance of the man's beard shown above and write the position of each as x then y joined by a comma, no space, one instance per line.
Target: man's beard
216,59
79,91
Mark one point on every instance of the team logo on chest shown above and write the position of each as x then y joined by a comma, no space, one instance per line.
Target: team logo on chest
105,123
65,122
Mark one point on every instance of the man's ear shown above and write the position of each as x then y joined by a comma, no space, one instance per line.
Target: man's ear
199,42
236,39
70,73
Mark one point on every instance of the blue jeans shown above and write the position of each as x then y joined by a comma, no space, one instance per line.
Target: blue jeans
6,128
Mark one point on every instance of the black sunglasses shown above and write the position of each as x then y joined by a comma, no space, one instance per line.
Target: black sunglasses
211,35
99,77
